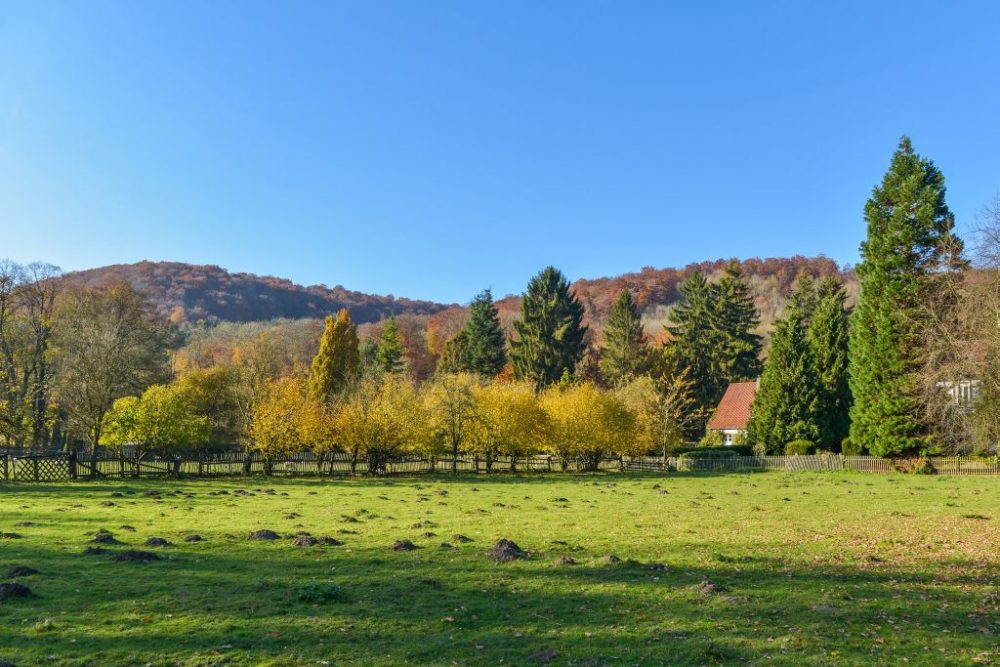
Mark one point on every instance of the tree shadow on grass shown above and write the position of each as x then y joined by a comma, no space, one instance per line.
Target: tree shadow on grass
251,603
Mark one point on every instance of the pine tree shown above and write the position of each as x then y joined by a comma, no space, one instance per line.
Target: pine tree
693,342
786,407
625,352
389,356
550,334
909,240
735,319
480,345
338,359
827,337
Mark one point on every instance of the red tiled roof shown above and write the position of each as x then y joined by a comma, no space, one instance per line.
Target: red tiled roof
734,408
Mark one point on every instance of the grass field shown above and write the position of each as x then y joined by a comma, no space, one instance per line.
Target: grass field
762,569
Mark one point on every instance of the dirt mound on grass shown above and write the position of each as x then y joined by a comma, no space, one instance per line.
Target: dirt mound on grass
20,571
461,539
104,538
158,542
130,529
94,551
194,538
4,663
709,588
135,556
264,534
611,559
506,550
305,541
563,560
10,536
329,542
8,591
403,545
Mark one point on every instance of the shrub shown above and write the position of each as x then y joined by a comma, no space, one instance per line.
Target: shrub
734,450
709,452
848,448
711,439
915,466
799,447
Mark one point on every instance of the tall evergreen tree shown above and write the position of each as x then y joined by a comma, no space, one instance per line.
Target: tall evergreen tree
693,341
479,347
389,355
735,319
624,352
338,359
909,240
550,334
787,404
827,336
805,297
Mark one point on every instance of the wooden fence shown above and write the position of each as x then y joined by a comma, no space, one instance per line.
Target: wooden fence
53,467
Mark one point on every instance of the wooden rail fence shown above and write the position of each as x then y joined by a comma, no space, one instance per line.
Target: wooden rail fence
54,467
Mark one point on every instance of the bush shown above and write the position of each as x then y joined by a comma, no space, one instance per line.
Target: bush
733,450
799,447
915,466
709,453
711,439
848,448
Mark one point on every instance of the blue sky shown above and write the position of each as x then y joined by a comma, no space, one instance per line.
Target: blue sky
430,149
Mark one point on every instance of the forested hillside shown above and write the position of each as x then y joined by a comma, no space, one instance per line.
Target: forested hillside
188,292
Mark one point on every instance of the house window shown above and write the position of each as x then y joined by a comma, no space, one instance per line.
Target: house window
727,439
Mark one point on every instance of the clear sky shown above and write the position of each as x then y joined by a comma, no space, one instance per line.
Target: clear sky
432,148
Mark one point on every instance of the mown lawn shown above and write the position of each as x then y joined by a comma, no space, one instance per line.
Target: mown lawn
732,569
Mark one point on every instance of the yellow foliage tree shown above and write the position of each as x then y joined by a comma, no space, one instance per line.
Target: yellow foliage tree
588,424
385,418
662,408
510,422
163,420
276,419
452,409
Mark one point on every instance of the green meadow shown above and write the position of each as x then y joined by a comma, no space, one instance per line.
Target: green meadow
770,568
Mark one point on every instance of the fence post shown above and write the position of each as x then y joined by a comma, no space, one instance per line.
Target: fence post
177,466
72,464
34,466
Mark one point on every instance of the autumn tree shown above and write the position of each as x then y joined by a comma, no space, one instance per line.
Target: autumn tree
338,361
162,420
109,343
587,424
276,424
550,333
664,408
509,422
27,301
910,243
389,354
452,409
222,394
479,347
383,419
624,353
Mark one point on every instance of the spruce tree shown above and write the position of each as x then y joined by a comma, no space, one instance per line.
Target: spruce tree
550,334
827,336
804,298
389,355
338,359
735,318
479,347
624,352
693,343
909,241
786,407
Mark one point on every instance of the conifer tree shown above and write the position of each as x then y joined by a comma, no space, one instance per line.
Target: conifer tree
338,359
693,343
624,352
827,337
480,345
389,355
786,407
735,319
550,334
805,297
909,240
